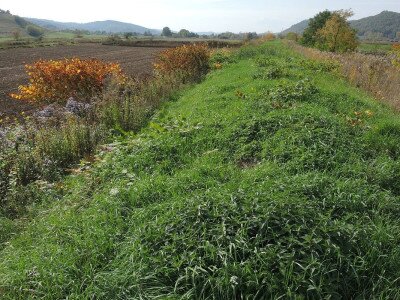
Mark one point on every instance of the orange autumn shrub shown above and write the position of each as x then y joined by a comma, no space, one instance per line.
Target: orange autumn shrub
191,60
57,80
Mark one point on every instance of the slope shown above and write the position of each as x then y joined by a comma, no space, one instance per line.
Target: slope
271,179
387,23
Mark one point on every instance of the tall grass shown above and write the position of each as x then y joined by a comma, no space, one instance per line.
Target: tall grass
375,74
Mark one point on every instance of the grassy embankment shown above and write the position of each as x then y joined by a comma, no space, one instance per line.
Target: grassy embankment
272,178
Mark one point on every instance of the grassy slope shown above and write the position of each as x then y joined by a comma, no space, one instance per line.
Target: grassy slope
228,194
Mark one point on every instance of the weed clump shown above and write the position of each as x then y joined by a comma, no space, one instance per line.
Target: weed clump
290,92
191,60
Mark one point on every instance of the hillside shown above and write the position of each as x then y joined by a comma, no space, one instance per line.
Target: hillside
8,25
387,23
271,179
108,26
297,28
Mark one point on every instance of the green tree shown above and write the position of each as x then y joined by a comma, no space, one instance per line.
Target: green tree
34,31
128,35
310,33
166,32
184,33
337,35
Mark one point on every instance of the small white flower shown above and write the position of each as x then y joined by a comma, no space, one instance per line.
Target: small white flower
114,192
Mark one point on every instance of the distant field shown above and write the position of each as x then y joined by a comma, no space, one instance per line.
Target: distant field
134,61
374,48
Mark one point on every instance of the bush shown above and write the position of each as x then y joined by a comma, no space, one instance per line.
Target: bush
191,60
57,80
34,31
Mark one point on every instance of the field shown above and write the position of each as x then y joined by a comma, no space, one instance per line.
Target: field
273,178
375,48
134,61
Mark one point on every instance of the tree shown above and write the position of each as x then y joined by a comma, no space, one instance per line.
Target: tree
128,35
34,31
166,32
184,33
310,33
337,35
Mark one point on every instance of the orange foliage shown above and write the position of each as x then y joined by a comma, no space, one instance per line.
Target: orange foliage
192,60
57,80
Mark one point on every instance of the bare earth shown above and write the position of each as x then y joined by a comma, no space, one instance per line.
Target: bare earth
134,61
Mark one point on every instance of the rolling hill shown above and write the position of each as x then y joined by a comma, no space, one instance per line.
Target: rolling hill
108,26
387,23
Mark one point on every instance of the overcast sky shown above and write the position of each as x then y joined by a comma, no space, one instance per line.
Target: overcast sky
195,15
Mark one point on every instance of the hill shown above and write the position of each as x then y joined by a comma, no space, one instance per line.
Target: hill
108,26
387,23
297,28
271,179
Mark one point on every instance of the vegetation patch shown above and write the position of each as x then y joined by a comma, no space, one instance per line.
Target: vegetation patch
226,197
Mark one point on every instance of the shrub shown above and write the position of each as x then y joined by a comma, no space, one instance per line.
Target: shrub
57,80
34,31
191,60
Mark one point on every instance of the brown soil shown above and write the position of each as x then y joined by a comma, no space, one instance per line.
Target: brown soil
135,61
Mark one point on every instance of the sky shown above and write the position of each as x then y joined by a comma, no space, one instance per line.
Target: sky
195,15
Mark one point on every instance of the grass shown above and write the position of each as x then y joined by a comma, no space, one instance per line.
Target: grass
374,48
244,187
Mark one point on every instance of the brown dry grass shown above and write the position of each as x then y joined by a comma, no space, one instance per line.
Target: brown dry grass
374,74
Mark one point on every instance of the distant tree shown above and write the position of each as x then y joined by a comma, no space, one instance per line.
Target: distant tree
34,31
16,34
374,36
184,33
78,33
147,33
250,36
166,32
310,33
337,35
128,35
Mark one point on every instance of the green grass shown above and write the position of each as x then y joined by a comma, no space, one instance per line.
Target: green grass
242,188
